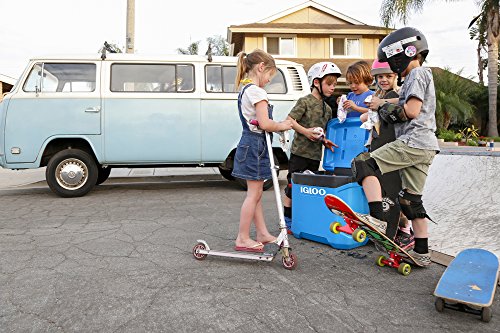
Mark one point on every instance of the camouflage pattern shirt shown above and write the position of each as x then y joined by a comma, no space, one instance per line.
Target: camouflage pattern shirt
308,112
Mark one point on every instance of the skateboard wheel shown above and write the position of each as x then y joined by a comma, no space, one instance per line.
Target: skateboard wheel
380,260
359,235
404,269
334,227
289,262
486,314
439,304
196,251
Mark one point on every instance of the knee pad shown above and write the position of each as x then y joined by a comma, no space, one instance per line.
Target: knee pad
363,166
288,190
412,205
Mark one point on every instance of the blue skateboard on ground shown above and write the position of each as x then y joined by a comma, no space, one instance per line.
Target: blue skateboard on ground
469,283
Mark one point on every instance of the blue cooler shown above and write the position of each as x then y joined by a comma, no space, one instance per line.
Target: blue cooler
311,217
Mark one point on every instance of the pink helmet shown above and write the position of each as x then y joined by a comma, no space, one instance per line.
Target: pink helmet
380,68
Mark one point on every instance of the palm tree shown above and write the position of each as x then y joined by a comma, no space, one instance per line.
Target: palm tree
392,10
453,97
191,49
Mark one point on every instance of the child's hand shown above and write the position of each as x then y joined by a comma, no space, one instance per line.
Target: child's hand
311,134
375,103
349,105
329,144
363,117
285,125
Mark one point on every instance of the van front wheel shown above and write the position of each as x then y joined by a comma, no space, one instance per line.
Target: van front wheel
71,173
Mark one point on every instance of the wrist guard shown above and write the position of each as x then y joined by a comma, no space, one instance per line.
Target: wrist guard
392,113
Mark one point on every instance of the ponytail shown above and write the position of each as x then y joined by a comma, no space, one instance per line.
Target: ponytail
247,61
241,69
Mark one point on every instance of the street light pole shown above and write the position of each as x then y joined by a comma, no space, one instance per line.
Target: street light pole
130,38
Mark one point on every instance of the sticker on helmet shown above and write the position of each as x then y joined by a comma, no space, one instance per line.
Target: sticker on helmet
410,51
393,49
397,47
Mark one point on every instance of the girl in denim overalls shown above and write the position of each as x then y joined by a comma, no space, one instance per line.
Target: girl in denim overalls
251,161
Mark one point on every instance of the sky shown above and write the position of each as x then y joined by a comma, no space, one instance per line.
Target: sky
30,28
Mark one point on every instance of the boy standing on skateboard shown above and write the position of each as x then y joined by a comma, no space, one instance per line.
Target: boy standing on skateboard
416,144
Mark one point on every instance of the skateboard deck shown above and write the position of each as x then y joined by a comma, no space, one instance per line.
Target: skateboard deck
469,283
373,228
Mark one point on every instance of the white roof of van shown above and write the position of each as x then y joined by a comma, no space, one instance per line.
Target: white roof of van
141,57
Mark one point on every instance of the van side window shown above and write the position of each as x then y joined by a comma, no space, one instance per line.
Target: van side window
221,79
277,84
61,77
152,78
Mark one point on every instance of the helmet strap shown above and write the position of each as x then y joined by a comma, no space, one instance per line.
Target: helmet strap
400,82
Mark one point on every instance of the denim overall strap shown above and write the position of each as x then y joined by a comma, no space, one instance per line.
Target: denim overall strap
240,113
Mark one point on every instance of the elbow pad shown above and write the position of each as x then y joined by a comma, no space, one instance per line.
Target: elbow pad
392,113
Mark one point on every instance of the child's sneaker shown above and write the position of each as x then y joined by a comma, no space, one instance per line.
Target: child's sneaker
423,259
379,224
404,240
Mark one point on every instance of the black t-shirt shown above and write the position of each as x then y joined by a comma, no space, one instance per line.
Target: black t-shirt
387,133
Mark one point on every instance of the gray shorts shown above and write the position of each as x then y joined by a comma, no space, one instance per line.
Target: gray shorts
412,163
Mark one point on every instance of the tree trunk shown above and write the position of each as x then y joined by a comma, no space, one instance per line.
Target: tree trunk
480,68
493,37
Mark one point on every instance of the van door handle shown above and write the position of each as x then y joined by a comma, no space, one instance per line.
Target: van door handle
93,109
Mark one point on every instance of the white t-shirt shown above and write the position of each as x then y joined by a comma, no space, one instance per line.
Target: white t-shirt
252,96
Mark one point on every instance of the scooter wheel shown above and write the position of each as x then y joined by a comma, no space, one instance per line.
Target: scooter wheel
196,251
290,262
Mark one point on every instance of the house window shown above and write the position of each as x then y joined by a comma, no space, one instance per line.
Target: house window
280,45
345,47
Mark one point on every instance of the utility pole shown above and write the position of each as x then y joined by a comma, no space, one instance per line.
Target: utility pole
130,38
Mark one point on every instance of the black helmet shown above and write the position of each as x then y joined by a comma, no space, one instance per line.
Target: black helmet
401,46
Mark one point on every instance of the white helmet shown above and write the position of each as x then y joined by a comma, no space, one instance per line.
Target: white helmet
319,70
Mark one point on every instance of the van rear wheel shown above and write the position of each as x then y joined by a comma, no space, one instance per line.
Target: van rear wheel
71,173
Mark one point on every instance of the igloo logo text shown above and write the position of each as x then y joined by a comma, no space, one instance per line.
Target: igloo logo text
312,190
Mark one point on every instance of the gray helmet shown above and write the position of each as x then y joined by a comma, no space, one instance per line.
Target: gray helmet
400,47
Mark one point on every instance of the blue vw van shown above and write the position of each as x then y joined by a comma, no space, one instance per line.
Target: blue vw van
81,116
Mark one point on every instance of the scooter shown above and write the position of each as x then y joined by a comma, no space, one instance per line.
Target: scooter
289,260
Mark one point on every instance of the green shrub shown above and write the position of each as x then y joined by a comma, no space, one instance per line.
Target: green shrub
471,142
447,135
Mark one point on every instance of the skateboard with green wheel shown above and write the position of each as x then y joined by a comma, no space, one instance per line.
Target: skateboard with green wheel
361,226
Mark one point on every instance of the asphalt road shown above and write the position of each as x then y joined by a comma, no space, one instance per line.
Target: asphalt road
119,260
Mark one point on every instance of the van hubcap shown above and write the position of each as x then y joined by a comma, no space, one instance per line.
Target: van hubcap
71,174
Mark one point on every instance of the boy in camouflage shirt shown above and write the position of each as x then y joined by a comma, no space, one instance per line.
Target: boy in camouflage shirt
310,116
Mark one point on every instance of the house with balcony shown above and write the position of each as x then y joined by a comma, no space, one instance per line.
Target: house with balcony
310,33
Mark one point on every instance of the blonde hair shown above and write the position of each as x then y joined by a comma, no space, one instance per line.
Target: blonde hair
380,92
246,63
359,72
